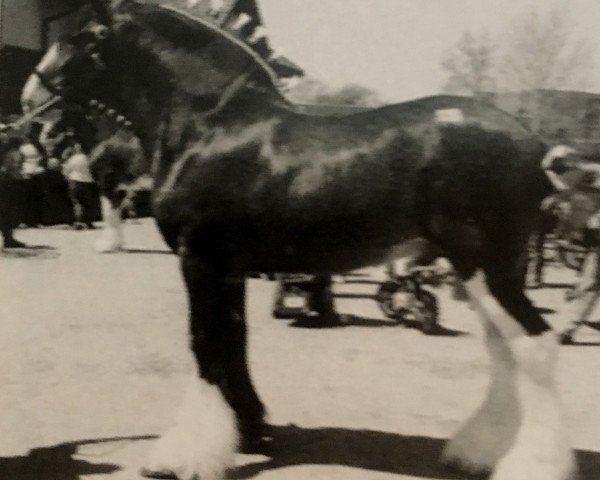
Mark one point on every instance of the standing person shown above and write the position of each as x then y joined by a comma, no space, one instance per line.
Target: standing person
570,177
58,206
10,190
81,185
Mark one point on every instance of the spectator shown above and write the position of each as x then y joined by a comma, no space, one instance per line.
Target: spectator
81,184
10,190
58,206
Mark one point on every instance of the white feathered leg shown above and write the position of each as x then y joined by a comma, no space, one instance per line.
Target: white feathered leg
523,392
487,435
202,442
111,238
540,449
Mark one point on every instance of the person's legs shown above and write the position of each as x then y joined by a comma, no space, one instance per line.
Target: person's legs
37,199
584,295
88,196
8,213
77,197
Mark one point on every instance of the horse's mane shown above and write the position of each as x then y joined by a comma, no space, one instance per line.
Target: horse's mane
203,44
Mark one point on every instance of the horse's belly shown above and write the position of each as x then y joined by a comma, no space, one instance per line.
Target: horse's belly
324,253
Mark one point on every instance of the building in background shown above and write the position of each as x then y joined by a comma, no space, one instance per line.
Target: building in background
28,27
565,116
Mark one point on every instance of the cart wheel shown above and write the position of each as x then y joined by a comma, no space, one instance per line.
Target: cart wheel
571,257
426,311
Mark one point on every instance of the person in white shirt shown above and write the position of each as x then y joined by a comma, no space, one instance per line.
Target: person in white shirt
82,187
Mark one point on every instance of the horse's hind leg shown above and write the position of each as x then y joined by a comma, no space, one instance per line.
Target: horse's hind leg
584,297
111,238
480,443
221,400
522,400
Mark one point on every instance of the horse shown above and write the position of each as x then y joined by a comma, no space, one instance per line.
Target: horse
244,182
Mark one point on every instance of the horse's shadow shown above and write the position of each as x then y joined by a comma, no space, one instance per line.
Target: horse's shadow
57,462
375,451
149,251
347,320
556,286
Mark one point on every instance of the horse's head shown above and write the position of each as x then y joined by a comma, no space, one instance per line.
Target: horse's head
144,49
73,69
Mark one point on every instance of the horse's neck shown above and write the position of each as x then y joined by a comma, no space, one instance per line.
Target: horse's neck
166,111
184,127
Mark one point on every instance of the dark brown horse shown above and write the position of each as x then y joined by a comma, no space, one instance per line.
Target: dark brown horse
244,183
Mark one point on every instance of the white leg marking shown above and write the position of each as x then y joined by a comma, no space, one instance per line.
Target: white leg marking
522,397
202,442
540,449
488,307
111,238
488,434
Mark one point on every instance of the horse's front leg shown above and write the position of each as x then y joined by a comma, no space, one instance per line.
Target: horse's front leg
221,403
111,238
519,433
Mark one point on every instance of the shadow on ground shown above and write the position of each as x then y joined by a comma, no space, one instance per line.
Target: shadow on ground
346,320
375,451
148,251
37,251
57,462
364,449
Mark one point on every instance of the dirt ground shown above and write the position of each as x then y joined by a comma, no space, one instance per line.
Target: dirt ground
94,360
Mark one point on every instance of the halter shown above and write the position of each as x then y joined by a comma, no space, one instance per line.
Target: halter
57,96
97,107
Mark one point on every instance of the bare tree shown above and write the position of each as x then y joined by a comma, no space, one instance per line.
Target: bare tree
471,65
543,52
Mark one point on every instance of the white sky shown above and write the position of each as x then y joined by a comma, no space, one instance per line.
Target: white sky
395,46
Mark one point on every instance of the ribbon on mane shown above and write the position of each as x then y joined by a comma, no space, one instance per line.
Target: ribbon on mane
199,49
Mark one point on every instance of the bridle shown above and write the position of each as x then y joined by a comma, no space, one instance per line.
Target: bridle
55,90
94,106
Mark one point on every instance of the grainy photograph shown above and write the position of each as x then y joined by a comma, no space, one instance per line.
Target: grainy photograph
299,239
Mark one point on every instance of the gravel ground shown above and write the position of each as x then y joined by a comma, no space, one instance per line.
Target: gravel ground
94,360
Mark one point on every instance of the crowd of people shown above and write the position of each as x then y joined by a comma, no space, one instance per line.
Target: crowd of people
44,183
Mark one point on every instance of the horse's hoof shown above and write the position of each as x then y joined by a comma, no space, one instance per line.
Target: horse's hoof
14,244
161,474
104,247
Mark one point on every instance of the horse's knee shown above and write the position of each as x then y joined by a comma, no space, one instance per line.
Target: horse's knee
508,288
